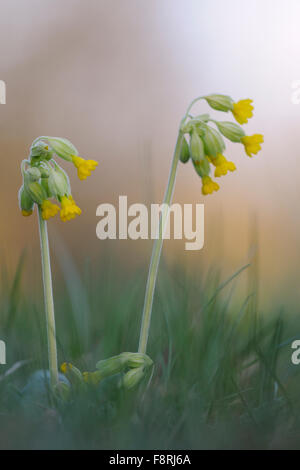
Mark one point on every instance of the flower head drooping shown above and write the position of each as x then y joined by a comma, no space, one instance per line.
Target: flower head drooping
242,111
44,179
69,209
222,165
84,167
206,144
252,143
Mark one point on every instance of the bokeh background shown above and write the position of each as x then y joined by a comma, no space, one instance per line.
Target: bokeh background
115,77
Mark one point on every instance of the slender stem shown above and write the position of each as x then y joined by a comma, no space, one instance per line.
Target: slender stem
49,304
156,251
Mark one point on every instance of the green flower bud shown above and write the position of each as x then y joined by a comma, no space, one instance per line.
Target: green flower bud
25,201
44,169
40,150
58,183
33,174
196,147
36,191
202,167
185,151
111,366
45,186
213,142
220,102
133,378
133,360
62,147
231,130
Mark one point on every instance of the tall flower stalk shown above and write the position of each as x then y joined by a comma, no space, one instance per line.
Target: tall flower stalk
157,247
44,180
49,303
205,147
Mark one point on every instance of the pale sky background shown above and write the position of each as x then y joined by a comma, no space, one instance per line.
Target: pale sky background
115,77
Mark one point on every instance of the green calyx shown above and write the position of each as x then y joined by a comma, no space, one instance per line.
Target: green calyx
196,146
63,148
58,182
220,102
213,142
25,201
230,130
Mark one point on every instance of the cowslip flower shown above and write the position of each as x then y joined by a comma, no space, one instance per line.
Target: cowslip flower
242,110
44,180
69,209
204,144
222,165
84,167
209,186
252,143
49,209
209,143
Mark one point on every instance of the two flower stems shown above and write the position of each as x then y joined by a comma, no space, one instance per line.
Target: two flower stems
152,274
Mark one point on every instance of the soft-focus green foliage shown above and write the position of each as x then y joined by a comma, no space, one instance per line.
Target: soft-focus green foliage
222,377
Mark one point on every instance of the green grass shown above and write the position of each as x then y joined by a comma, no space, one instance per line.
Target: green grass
223,377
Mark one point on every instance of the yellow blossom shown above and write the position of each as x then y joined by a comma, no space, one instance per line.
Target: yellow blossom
222,165
65,366
49,209
26,213
209,186
242,111
69,209
252,143
84,167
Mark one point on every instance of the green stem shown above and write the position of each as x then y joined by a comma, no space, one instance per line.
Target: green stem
156,251
49,304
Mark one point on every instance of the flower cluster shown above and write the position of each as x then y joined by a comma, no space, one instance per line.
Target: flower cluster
206,143
131,369
44,179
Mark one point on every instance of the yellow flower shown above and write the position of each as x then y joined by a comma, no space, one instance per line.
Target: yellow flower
209,186
242,111
84,167
252,143
49,209
69,210
26,213
222,165
65,367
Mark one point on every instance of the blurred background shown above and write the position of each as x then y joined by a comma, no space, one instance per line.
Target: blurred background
115,77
